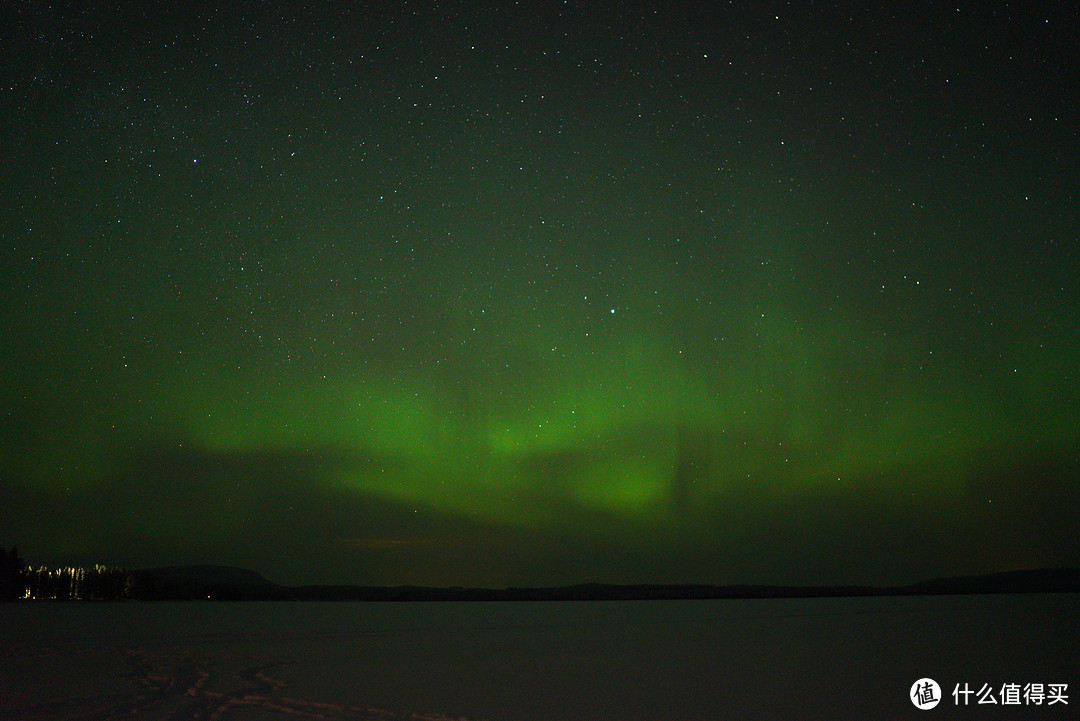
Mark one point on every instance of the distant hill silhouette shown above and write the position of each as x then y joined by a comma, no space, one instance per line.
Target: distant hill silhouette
228,583
1037,580
227,575
204,582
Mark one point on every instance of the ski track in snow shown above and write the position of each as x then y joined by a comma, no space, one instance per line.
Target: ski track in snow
183,686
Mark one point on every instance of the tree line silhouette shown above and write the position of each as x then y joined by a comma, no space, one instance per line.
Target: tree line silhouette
182,583
11,568
20,581
70,583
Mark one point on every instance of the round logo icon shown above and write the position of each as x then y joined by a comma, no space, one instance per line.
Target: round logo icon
925,694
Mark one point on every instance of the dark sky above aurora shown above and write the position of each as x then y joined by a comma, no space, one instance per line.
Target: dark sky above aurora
491,294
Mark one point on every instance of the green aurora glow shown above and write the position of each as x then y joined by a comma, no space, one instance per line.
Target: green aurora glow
405,312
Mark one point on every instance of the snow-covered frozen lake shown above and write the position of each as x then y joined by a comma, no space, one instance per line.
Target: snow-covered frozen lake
560,661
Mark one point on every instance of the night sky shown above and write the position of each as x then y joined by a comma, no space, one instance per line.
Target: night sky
486,294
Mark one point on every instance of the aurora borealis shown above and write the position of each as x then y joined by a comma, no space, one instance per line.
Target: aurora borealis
545,293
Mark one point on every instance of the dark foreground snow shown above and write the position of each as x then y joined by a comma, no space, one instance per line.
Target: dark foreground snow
592,661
